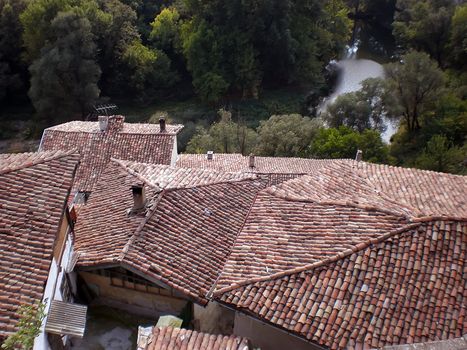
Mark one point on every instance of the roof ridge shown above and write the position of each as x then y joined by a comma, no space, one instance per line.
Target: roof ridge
416,169
52,156
358,247
133,172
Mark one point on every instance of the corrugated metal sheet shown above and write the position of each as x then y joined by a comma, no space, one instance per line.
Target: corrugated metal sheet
66,319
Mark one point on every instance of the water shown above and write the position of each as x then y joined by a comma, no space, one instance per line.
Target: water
352,71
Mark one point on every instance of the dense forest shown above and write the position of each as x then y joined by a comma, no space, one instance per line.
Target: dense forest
59,58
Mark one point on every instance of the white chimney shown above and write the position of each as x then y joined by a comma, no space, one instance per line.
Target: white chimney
251,160
103,122
209,155
359,155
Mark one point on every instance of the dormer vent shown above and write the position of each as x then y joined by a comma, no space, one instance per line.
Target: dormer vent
139,197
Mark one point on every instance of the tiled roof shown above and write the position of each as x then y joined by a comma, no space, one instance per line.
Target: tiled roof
33,191
186,235
298,235
135,142
169,338
279,169
407,287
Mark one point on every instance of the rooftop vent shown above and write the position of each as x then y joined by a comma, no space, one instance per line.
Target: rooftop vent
162,124
359,155
103,122
209,155
139,197
251,161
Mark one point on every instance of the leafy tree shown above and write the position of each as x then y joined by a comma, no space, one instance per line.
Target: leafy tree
165,31
441,155
225,136
29,326
12,69
412,87
343,142
64,78
424,26
286,135
458,40
359,110
150,69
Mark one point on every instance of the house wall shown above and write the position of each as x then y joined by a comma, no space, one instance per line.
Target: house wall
174,152
213,318
268,337
132,300
62,251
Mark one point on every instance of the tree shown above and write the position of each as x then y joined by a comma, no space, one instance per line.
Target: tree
359,110
12,69
441,155
150,69
458,40
424,26
412,87
64,78
286,135
343,142
225,136
29,325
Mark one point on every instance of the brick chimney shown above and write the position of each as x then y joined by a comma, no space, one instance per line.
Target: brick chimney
251,160
139,197
162,124
116,123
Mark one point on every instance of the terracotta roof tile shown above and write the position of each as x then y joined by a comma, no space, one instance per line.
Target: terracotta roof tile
134,142
168,338
406,288
278,169
33,191
184,237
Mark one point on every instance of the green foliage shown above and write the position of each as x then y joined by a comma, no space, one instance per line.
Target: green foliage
413,85
286,135
343,142
64,78
165,31
225,136
359,110
441,155
29,325
458,40
424,26
150,69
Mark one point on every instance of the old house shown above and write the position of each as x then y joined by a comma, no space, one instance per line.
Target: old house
153,239
354,256
276,169
98,142
35,243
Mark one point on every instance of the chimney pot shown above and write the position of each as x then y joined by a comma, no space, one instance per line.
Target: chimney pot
162,124
139,197
359,155
103,122
209,155
251,160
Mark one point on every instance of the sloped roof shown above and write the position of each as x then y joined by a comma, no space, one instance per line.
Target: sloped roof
186,234
279,169
136,142
299,233
169,338
408,287
33,192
